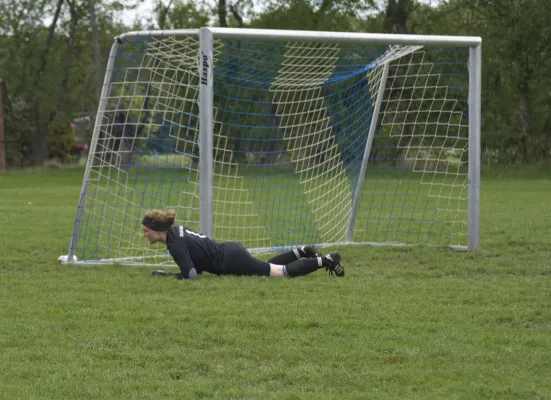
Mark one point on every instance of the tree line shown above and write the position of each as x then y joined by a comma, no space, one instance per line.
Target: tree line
53,55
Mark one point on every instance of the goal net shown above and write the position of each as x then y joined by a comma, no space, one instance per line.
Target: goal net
276,139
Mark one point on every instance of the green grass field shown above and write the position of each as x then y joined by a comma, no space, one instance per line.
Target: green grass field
405,323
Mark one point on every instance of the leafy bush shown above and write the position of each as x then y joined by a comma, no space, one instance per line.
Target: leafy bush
17,133
60,139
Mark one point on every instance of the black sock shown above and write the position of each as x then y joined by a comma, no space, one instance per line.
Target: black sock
301,267
284,258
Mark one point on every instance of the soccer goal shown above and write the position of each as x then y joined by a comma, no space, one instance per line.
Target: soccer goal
281,138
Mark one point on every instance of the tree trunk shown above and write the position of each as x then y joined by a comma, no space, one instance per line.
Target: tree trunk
235,12
2,151
222,14
525,116
98,73
68,61
325,5
163,14
396,16
40,144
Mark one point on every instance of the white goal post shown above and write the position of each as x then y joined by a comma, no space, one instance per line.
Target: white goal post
279,138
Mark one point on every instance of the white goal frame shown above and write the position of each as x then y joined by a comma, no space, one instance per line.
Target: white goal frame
208,35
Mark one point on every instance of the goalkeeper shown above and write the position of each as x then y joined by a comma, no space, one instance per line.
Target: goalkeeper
195,253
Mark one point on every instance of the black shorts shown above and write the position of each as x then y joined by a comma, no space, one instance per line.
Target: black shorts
238,261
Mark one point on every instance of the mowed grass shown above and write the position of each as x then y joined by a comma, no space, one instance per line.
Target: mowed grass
405,323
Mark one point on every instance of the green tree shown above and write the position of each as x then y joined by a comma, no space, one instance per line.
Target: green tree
331,15
39,148
516,124
58,58
187,15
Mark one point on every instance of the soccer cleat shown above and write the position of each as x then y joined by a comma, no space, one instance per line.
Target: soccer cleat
336,266
159,272
310,251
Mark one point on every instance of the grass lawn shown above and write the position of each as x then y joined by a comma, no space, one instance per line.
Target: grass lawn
417,323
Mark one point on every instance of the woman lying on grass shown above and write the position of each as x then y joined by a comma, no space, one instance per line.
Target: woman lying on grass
195,253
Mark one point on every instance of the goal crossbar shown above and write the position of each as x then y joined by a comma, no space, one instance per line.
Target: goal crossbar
314,36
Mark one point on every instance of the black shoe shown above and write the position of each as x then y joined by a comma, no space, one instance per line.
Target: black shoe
335,267
310,251
159,272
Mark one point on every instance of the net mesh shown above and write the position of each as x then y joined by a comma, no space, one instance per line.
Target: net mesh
291,124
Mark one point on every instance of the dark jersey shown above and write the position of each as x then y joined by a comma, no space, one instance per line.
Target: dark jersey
193,250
